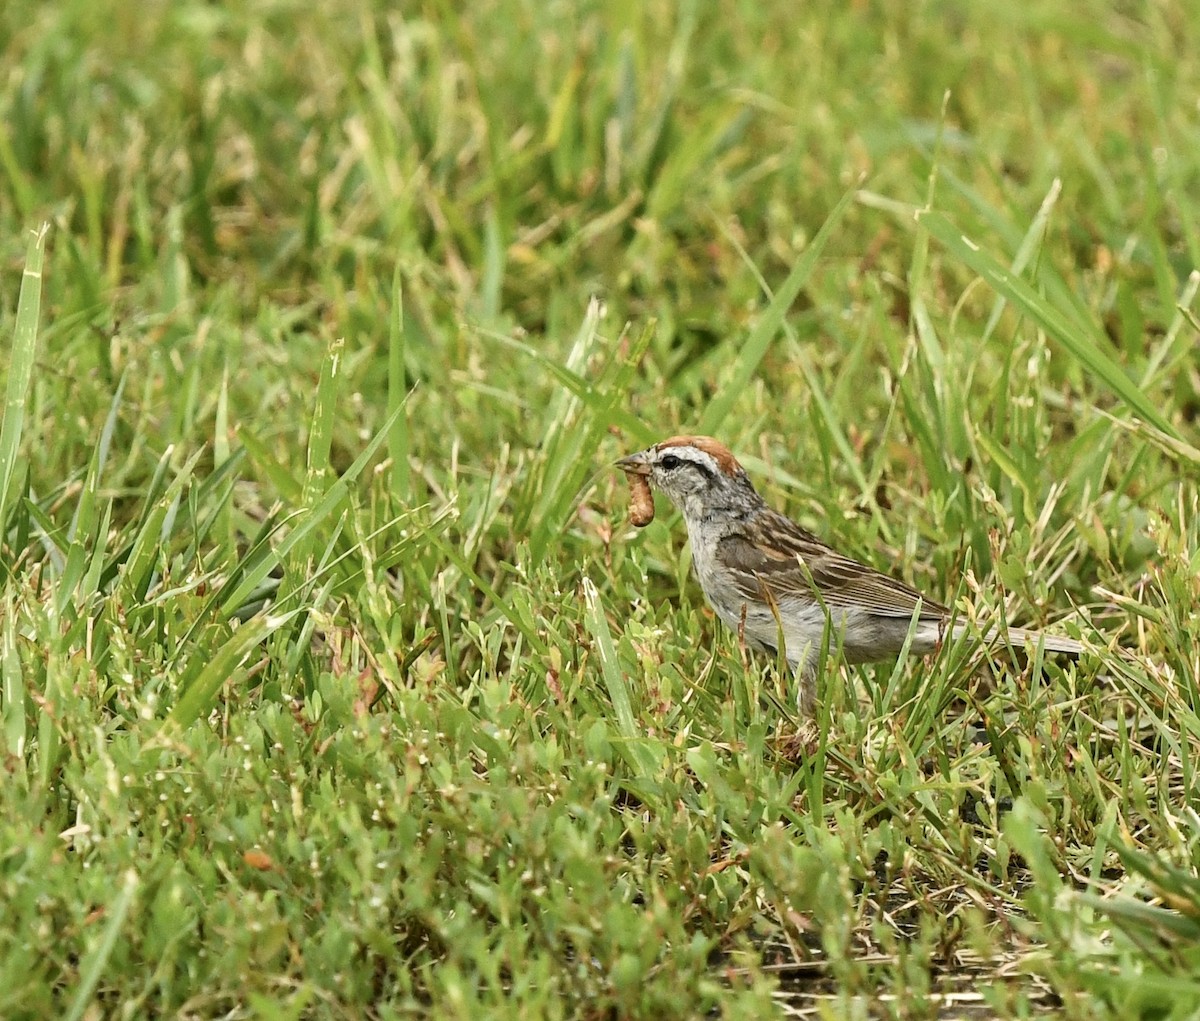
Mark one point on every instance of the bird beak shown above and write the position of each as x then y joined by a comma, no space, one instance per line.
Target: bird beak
635,464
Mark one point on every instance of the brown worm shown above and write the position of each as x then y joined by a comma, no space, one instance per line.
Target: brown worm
641,501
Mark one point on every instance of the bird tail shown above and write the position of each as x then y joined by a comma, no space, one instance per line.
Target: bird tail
1030,640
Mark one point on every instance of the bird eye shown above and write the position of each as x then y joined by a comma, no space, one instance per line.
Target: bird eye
671,462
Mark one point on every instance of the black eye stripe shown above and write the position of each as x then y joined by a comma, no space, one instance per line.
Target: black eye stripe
670,462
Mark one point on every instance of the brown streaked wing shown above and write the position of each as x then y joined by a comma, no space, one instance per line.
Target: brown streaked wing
841,581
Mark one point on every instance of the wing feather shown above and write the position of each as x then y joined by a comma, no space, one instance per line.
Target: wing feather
793,561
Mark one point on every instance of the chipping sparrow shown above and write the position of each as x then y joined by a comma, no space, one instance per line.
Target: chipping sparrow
767,577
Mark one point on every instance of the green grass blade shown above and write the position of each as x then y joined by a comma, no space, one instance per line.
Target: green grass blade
20,369
1085,345
307,523
525,627
288,487
320,436
614,682
634,746
833,425
1030,245
92,968
759,341
200,694
12,709
578,386
145,554
396,393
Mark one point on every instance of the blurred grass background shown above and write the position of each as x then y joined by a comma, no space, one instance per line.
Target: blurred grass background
334,683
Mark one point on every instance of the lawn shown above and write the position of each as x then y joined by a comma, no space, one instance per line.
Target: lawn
334,681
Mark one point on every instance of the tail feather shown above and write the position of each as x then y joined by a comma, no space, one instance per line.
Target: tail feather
1028,639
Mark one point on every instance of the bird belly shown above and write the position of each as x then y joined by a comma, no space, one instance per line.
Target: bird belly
874,636
862,637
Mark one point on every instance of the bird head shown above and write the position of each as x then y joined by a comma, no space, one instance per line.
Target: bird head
696,473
